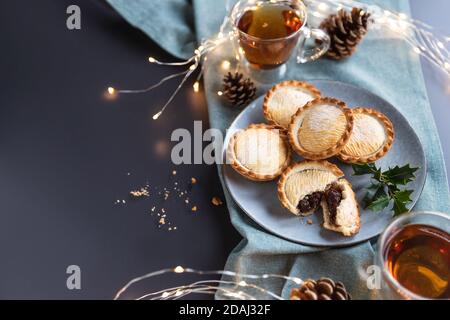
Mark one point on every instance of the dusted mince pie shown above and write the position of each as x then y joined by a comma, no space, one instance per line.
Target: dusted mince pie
284,99
261,152
321,129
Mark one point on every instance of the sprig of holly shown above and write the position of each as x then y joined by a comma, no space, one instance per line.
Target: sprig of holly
385,187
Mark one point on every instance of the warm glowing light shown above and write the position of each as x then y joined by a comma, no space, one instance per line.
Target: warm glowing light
322,6
197,52
220,35
178,269
226,65
151,60
192,67
156,115
196,86
179,293
165,294
387,13
402,16
243,283
111,90
297,280
219,93
201,48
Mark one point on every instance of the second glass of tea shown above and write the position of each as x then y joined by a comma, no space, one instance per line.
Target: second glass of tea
414,257
268,32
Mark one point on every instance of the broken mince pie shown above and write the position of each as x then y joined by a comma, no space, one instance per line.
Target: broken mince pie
321,128
284,99
307,185
260,152
372,137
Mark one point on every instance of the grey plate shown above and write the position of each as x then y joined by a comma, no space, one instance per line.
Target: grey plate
260,201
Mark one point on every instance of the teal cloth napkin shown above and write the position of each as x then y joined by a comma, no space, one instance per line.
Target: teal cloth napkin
387,67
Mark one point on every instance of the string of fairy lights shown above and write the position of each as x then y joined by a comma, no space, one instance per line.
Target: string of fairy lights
424,40
233,289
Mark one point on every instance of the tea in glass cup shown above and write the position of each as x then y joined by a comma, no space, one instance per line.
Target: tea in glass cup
268,32
414,254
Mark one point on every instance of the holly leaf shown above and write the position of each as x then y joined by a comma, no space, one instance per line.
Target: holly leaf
400,175
401,199
379,204
362,169
374,191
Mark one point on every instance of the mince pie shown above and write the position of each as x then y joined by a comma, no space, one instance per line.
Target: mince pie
260,152
307,185
284,99
321,128
372,137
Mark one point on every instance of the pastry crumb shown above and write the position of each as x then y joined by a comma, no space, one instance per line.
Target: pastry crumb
216,201
142,192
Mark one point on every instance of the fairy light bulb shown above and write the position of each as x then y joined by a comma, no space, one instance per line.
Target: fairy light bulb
322,6
219,93
151,60
111,90
226,65
193,67
196,86
178,269
156,115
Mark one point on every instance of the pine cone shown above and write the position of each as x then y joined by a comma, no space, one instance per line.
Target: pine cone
238,90
346,30
322,289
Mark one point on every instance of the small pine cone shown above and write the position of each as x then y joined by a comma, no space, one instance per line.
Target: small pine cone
238,90
346,30
322,289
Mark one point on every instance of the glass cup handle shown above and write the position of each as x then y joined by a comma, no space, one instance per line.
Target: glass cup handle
311,54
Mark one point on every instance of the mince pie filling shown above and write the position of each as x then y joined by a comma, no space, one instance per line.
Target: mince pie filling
332,195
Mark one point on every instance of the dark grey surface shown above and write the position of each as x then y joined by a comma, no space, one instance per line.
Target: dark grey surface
66,151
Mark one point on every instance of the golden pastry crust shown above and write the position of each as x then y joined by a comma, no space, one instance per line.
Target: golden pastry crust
281,115
348,220
326,131
253,171
330,172
372,137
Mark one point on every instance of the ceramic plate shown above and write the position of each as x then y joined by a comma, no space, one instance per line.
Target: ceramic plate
260,201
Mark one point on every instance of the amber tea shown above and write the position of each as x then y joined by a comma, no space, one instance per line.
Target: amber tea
418,258
268,34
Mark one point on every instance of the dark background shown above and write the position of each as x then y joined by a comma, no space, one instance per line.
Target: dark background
66,151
